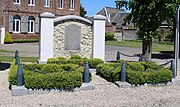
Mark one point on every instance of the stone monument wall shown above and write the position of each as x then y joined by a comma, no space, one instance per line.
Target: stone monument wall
72,37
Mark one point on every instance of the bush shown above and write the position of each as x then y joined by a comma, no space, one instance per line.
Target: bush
109,36
76,60
154,77
51,68
94,62
8,38
135,66
49,76
104,70
136,73
26,41
53,80
75,57
13,73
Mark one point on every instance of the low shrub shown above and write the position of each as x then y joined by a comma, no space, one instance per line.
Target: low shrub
109,36
8,38
13,73
135,66
53,80
51,68
154,77
26,41
108,72
76,60
49,76
136,73
75,57
94,62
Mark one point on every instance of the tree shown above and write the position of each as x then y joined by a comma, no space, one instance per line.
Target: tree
148,15
83,12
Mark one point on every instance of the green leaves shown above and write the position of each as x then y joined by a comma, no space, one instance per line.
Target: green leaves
138,73
148,15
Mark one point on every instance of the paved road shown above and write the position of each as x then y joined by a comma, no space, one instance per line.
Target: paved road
25,49
32,50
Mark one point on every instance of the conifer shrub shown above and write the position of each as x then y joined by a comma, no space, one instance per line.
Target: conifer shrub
8,38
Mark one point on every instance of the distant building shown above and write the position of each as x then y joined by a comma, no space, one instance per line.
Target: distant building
21,17
115,23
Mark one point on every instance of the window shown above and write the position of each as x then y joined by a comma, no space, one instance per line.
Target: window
71,4
16,24
46,3
31,24
16,1
31,3
61,4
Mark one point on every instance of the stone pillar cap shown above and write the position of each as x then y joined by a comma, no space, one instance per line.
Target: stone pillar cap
99,17
47,15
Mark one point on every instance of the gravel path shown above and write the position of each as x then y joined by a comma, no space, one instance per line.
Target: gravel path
106,94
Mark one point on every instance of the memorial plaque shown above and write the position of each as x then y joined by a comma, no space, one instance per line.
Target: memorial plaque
72,37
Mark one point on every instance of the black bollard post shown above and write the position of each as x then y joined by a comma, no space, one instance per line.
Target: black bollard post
16,54
118,56
86,73
123,73
17,60
20,75
140,57
173,68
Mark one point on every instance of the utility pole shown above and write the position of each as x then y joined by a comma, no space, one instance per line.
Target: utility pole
177,41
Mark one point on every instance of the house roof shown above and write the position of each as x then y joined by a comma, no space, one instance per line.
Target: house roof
113,15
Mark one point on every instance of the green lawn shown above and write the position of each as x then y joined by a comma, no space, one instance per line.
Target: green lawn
138,44
7,51
23,59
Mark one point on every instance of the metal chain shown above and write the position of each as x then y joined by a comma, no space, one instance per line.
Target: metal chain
33,69
165,63
128,55
74,68
111,69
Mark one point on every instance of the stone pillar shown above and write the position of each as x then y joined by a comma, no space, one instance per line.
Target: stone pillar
46,37
3,33
99,37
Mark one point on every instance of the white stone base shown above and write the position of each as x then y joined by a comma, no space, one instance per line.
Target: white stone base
122,84
176,81
41,62
18,91
87,86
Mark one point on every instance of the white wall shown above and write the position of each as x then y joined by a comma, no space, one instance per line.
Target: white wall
46,37
3,33
99,37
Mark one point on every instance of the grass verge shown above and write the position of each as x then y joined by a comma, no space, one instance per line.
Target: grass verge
138,44
11,58
7,51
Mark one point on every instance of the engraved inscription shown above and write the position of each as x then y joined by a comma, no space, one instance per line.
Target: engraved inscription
72,37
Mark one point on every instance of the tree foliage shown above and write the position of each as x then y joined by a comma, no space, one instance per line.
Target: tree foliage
148,15
83,12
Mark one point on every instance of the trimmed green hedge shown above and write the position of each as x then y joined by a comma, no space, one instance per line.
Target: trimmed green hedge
56,80
136,73
13,73
48,76
75,60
